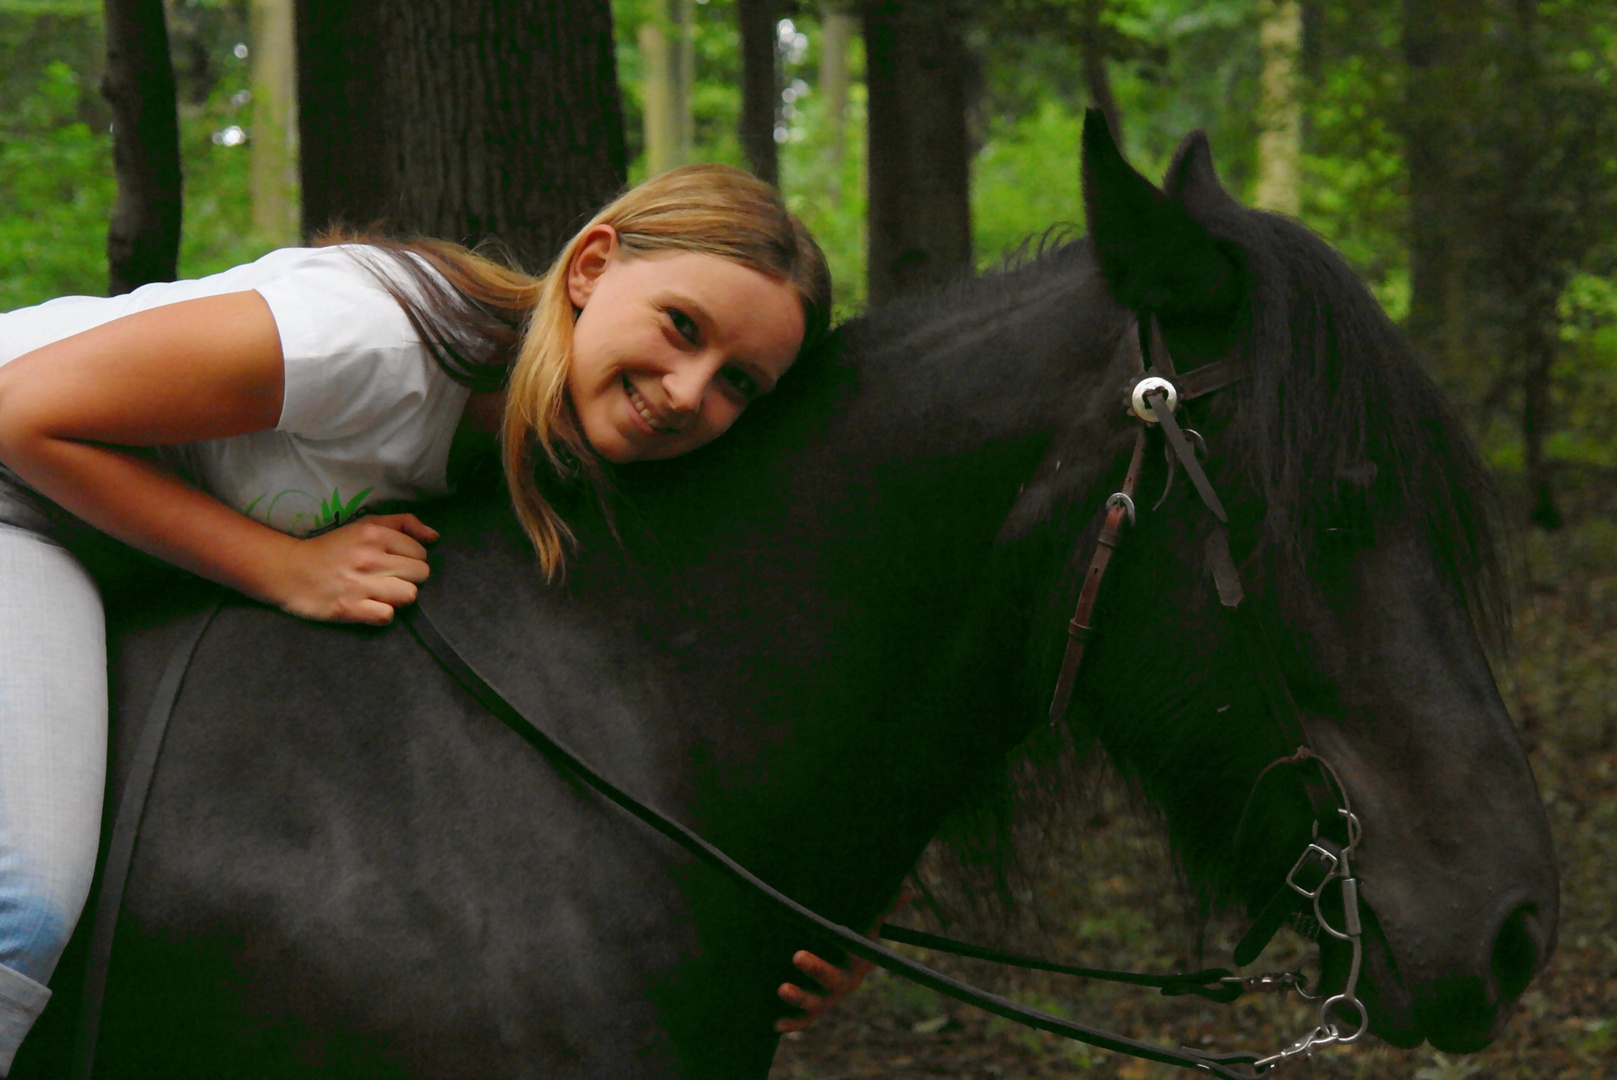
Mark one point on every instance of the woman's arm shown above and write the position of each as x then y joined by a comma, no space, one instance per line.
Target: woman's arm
200,369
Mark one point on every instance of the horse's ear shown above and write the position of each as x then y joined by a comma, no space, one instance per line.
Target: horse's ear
1155,256
1192,179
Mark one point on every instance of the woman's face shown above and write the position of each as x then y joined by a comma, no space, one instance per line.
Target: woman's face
669,348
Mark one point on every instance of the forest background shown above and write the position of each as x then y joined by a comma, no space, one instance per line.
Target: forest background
1461,155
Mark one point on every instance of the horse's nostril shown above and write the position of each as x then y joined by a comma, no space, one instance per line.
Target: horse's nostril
1515,953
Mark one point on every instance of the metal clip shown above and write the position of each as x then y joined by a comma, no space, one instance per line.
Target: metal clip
1118,498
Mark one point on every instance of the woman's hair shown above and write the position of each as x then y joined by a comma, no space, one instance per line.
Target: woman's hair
492,323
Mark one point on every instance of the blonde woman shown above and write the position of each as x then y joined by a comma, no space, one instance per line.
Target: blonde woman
239,425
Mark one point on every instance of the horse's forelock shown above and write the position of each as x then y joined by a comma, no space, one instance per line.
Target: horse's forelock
1336,386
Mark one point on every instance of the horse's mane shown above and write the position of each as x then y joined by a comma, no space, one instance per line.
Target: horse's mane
1334,387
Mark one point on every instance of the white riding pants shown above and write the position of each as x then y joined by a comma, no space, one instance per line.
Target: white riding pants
53,753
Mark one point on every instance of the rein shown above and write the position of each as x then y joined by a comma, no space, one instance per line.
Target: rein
1155,396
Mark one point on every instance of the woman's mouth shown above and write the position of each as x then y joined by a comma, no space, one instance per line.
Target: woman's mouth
657,424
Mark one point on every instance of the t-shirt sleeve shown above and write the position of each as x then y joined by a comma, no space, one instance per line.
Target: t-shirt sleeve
351,357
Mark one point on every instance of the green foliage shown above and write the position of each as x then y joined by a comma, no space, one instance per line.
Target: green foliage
56,185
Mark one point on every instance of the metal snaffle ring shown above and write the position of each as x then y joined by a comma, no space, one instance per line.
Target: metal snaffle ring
1153,384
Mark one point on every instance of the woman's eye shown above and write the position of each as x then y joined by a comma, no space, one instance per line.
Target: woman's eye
743,383
684,324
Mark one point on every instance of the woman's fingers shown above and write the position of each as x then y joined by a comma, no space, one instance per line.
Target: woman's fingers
408,524
837,983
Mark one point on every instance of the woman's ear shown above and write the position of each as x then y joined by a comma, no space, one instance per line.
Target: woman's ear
593,255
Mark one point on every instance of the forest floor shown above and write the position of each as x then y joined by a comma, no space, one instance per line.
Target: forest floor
1108,896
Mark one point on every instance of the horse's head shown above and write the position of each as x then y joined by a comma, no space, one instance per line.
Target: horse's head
1361,520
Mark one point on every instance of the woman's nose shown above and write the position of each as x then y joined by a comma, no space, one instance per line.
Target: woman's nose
686,385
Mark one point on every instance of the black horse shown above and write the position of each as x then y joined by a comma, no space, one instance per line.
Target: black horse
814,640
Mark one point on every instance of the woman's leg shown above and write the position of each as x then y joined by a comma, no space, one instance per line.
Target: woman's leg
53,748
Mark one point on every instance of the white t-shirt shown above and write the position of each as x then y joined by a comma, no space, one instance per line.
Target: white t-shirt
368,413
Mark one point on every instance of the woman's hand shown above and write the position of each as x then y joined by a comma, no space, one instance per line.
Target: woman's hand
357,573
837,982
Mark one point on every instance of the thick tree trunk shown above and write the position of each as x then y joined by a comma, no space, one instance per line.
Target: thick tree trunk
471,118
1280,114
274,147
343,129
919,157
760,86
143,242
836,36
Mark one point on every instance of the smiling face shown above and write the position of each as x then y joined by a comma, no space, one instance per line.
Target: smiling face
670,347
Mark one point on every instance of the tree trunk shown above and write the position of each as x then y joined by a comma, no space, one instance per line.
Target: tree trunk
471,118
760,87
143,241
274,146
344,134
667,51
919,160
1438,38
836,36
1280,115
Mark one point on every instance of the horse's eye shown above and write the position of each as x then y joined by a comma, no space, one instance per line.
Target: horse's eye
1350,523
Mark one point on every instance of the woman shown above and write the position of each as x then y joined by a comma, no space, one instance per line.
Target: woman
238,425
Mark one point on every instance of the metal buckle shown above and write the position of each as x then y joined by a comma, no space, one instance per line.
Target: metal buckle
1308,859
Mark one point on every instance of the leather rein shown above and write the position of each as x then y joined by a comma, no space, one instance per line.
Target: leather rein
1155,396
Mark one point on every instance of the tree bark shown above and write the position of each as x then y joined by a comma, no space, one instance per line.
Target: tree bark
917,69
143,241
343,128
760,87
470,119
1280,115
274,145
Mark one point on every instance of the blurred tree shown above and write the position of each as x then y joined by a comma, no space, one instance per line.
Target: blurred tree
274,141
837,28
760,86
918,71
1280,141
465,119
1441,42
143,242
668,63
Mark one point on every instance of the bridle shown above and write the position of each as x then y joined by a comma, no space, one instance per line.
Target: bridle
1155,395
1153,399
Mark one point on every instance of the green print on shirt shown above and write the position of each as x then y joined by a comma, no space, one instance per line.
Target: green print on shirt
332,513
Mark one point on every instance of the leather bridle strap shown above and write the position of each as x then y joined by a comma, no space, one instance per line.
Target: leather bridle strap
462,671
1214,984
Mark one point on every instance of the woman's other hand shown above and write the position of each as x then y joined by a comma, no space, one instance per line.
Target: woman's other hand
837,982
358,573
